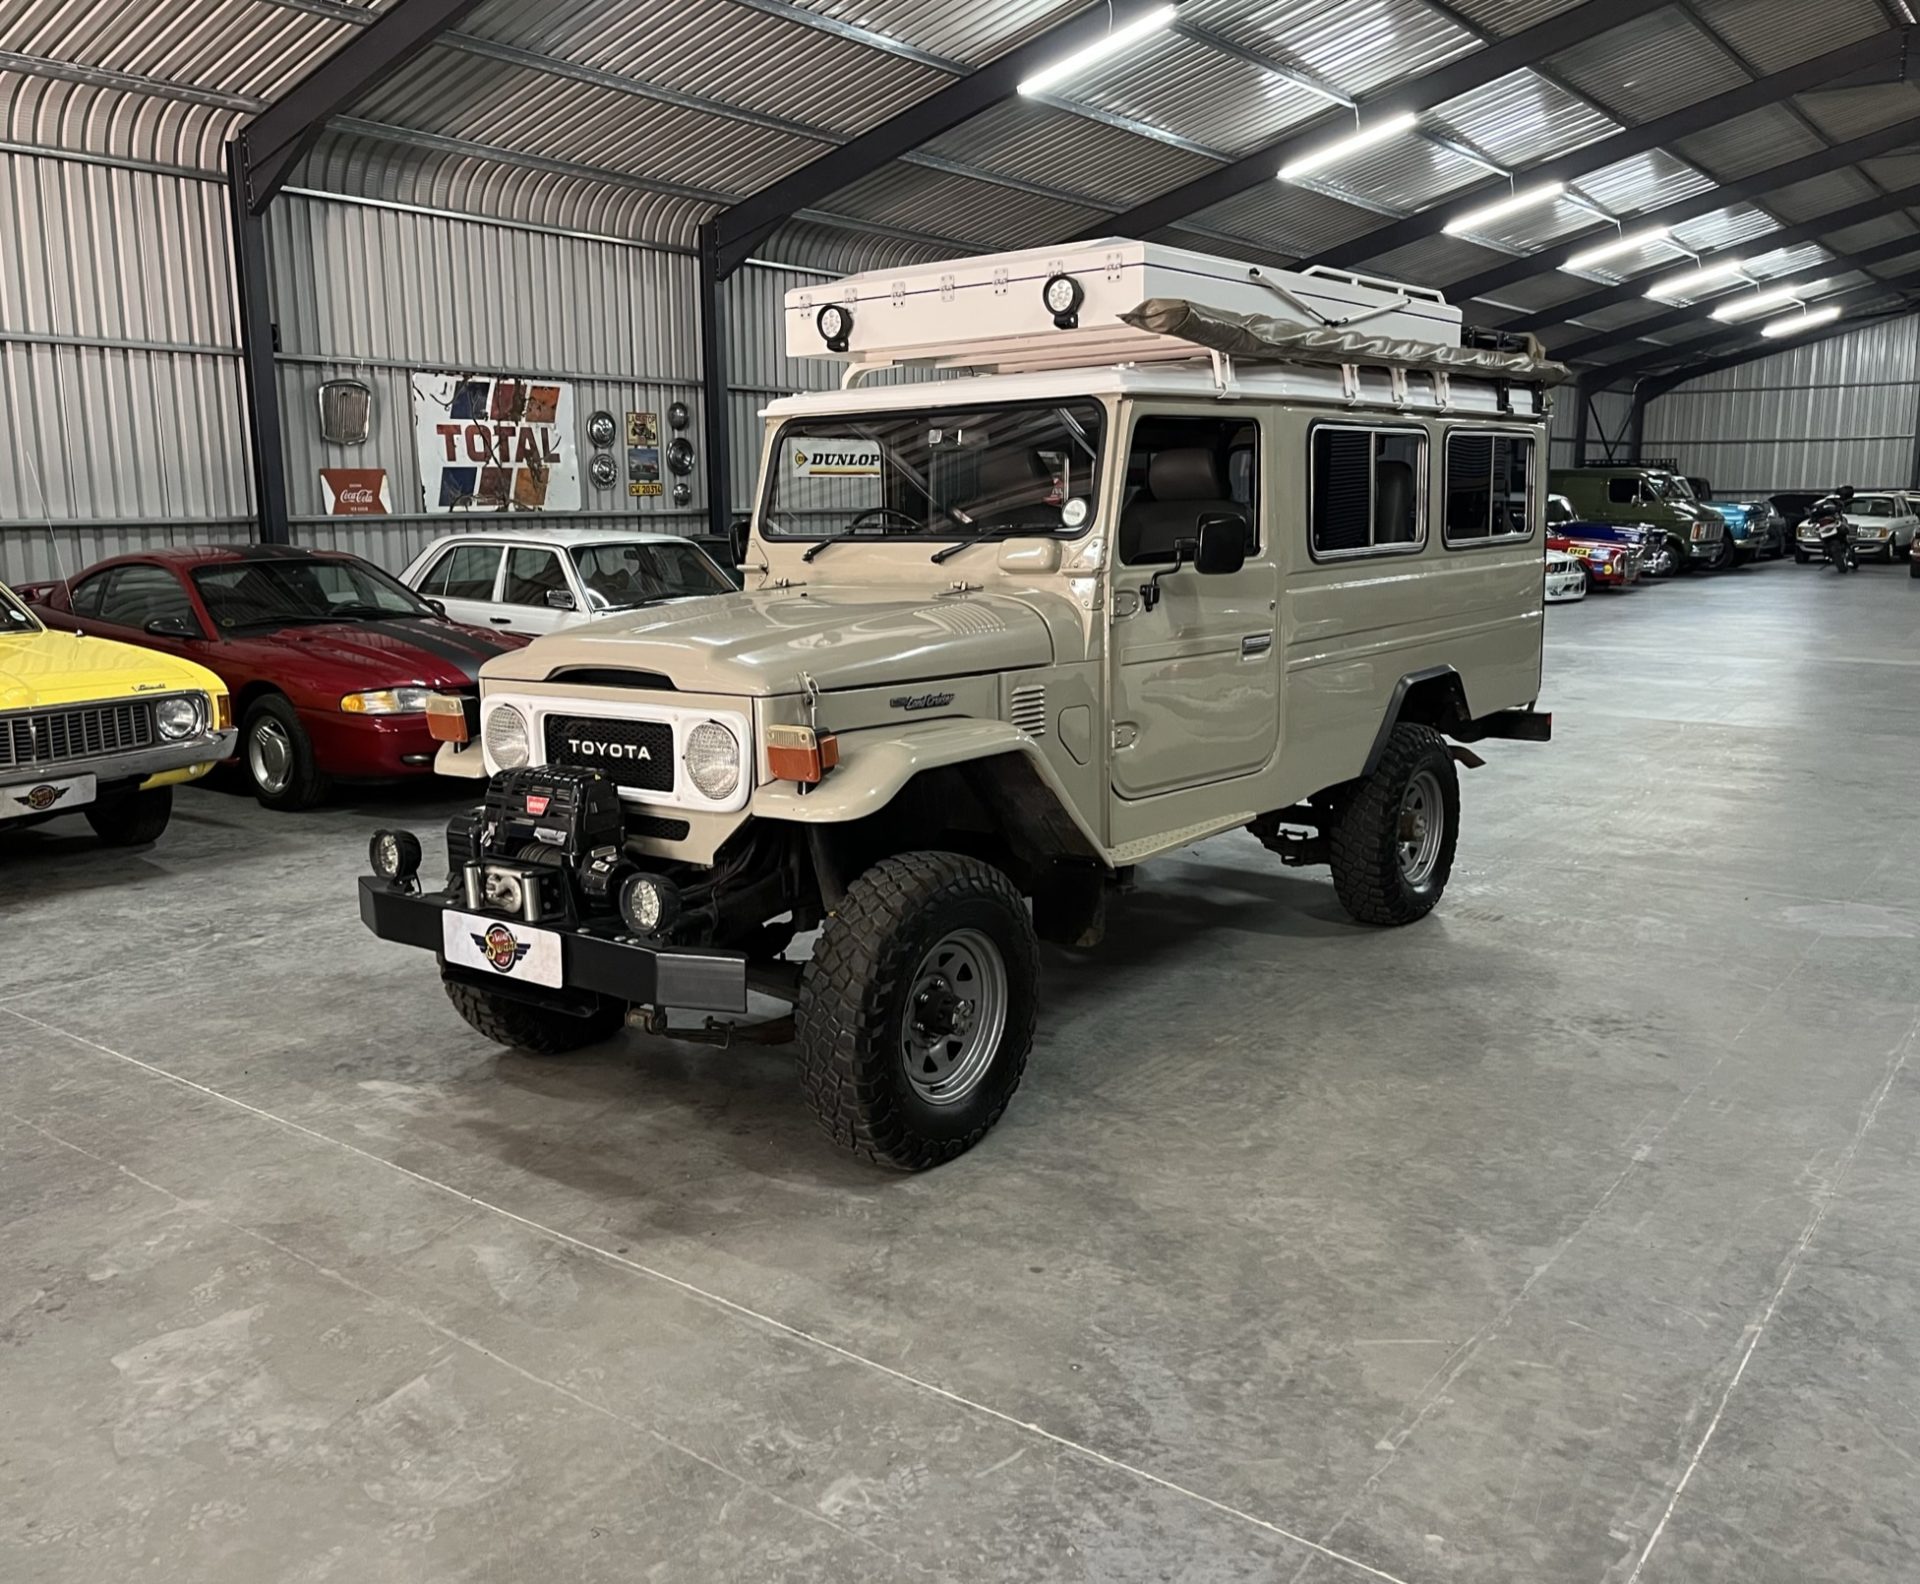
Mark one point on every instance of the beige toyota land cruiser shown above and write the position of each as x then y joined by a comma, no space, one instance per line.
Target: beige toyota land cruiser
1137,547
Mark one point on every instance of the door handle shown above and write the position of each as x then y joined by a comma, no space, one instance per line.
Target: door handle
501,621
1255,644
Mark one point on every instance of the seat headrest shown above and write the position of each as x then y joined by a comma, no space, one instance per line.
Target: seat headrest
1188,473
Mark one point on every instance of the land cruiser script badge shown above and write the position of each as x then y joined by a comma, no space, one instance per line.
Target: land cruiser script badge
42,798
590,749
921,701
501,949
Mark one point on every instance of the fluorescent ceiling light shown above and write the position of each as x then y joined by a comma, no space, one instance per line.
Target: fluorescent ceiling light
1811,320
1474,219
1111,44
1690,283
1751,307
1626,242
1331,153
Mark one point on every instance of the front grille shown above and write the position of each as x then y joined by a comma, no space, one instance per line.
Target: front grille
47,737
636,753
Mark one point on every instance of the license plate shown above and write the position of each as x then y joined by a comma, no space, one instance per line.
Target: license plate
48,797
510,949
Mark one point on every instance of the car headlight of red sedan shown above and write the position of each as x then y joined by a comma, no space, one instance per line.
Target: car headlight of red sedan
388,701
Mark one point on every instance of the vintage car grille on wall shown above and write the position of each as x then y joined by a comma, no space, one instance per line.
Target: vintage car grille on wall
41,737
636,753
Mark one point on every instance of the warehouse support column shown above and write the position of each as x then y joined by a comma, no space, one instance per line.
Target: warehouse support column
259,341
714,387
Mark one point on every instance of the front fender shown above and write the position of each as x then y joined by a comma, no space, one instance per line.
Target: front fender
875,765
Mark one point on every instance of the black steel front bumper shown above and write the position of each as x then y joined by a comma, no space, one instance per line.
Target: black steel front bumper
597,960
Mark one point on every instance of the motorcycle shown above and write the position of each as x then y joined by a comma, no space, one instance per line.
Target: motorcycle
1836,541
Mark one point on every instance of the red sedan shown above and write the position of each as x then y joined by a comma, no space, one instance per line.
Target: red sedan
329,659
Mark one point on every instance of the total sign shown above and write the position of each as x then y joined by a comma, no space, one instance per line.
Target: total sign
495,443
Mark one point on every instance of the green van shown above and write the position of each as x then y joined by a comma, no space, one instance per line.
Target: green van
1696,534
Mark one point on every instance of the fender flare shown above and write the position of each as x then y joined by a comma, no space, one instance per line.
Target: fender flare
1397,702
877,763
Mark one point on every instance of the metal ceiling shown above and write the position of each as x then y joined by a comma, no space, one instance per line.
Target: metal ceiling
644,119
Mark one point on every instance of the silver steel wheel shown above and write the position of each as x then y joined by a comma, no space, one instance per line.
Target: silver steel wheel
956,1012
270,756
1423,829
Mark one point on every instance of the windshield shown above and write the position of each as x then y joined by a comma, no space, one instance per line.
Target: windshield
14,617
1559,509
937,473
1667,486
281,593
621,576
1873,506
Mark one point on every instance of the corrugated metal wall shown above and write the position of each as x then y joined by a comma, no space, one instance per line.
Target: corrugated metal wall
1836,412
119,357
1608,425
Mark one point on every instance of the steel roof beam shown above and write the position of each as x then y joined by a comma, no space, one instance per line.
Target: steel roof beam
1463,75
1697,117
1679,317
1635,290
1730,335
741,227
276,140
1482,286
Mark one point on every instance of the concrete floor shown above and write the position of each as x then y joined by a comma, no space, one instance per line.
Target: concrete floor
1572,1235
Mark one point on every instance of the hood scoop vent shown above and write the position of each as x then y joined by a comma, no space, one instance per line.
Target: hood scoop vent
613,677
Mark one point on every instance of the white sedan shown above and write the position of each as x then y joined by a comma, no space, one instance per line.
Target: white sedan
1566,580
537,582
1883,525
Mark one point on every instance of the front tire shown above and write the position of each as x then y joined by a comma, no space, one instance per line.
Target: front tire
1393,840
1681,554
916,1012
133,819
537,1030
279,757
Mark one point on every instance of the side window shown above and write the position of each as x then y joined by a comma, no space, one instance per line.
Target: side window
1181,471
533,574
464,572
86,594
140,594
1489,487
1623,491
1369,490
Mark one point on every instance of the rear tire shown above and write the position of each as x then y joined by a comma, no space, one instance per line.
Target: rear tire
131,819
1390,866
537,1030
917,1009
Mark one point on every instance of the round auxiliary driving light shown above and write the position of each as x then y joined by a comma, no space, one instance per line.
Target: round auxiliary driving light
394,854
1063,296
649,903
835,324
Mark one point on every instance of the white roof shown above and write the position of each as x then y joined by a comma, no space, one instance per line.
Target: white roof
555,538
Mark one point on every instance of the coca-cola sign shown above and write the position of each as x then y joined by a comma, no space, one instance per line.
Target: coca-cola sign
356,492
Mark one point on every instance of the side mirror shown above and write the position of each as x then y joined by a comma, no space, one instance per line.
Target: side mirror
1222,546
560,599
437,607
174,627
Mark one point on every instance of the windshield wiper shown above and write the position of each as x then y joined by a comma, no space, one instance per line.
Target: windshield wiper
991,536
903,533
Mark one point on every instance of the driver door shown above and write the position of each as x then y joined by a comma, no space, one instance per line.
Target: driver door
1196,669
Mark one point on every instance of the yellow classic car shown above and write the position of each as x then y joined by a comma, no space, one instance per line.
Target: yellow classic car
103,729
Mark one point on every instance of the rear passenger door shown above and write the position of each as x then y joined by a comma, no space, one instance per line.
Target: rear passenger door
466,580
1196,691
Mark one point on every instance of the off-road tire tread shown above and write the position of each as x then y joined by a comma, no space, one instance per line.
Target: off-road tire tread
528,1028
137,819
1366,873
841,1017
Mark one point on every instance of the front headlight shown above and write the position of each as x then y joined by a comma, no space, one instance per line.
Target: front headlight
713,759
388,701
178,718
508,744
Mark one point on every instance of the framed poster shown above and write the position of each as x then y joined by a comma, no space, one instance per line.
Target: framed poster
495,443
643,456
355,492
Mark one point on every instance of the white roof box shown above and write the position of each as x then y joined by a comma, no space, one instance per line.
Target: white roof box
1008,311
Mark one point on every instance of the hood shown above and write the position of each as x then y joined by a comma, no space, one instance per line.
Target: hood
51,668
761,642
408,649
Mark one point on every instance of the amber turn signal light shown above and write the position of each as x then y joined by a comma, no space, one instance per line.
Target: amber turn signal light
222,711
799,753
447,718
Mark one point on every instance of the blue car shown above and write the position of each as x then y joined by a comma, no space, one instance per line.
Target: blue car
1656,560
1756,530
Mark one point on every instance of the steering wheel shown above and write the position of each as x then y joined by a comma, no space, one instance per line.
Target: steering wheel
880,514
